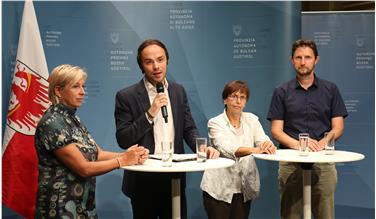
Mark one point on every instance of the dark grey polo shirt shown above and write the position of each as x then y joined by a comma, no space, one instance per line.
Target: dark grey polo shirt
307,111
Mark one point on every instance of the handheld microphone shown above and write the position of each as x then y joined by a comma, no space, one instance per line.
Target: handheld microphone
160,89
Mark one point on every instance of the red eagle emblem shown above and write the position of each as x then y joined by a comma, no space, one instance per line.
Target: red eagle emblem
28,100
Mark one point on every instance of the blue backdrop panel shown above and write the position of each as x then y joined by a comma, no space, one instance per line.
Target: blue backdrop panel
210,43
346,44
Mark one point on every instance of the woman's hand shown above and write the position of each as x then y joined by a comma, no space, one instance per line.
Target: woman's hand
267,147
134,155
212,153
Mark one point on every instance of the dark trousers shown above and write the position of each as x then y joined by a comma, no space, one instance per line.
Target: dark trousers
216,209
157,205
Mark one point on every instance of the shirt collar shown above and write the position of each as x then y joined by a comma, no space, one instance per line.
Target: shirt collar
151,88
228,121
65,108
314,84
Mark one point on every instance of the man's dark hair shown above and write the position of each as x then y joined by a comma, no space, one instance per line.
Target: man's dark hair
147,43
304,43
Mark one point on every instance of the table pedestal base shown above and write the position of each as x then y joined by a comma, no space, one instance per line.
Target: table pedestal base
291,155
175,193
307,168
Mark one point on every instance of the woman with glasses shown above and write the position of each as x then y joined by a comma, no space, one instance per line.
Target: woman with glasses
228,192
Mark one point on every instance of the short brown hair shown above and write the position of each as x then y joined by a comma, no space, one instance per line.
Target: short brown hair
147,43
235,86
304,43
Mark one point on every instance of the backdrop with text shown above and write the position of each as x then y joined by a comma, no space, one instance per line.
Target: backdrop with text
210,43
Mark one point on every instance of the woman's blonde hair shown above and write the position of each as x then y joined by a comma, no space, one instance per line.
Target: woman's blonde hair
63,76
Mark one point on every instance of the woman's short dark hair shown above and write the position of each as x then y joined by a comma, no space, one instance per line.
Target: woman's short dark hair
147,43
304,43
235,86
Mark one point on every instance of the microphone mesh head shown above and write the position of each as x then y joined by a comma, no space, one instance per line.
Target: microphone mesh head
160,87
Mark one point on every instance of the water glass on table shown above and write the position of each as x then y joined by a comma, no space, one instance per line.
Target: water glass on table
167,152
201,148
303,144
329,142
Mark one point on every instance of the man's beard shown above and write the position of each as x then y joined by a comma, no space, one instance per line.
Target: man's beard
304,71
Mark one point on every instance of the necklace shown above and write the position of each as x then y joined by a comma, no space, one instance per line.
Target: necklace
234,120
235,124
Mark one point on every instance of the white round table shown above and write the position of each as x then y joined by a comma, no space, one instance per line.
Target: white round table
290,155
154,165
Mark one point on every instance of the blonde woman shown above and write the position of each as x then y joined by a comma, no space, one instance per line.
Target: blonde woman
69,158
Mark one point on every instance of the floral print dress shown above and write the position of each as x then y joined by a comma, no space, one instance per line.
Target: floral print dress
61,192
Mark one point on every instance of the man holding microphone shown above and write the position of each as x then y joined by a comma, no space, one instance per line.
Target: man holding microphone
139,121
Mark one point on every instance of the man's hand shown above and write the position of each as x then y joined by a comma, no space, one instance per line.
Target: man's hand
315,145
159,101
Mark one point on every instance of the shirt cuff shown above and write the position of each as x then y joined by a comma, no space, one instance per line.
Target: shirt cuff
149,118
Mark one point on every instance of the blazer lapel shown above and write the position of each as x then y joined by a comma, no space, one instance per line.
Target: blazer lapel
174,102
143,96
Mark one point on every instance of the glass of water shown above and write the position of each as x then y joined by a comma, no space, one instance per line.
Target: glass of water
303,144
201,148
167,152
329,142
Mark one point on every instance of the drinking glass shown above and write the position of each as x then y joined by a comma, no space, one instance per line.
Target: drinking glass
167,152
329,142
303,144
201,148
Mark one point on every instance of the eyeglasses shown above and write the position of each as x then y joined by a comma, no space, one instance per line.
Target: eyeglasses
236,97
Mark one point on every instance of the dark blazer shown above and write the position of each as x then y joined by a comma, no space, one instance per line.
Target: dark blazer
132,127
